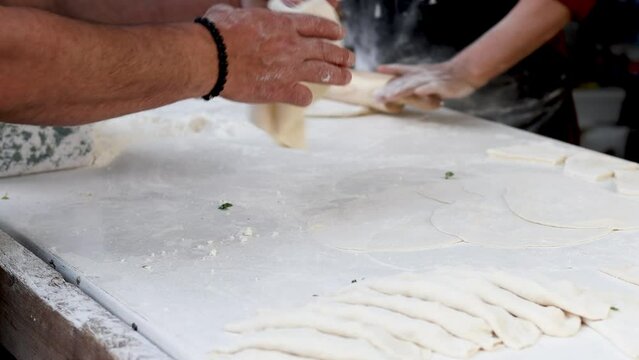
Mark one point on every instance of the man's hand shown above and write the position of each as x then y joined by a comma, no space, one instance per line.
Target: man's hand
428,82
270,54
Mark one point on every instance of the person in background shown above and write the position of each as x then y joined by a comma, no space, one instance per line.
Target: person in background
70,62
502,60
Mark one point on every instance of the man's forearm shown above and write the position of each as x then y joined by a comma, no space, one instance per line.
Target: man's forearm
60,71
124,11
528,26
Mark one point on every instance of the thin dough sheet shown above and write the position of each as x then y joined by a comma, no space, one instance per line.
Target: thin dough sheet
560,201
538,152
627,182
596,167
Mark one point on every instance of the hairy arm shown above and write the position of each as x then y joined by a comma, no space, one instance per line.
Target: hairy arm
60,71
124,11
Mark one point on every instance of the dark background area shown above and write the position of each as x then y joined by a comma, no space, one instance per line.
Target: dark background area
604,53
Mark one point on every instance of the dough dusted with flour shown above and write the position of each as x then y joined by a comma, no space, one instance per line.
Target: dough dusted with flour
307,343
591,166
515,333
538,152
422,333
252,354
285,123
562,294
389,345
489,222
627,182
560,201
455,322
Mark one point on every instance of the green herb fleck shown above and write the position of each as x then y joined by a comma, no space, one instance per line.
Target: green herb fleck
449,175
225,206
614,308
5,197
353,281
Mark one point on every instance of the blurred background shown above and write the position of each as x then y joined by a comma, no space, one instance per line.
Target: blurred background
605,59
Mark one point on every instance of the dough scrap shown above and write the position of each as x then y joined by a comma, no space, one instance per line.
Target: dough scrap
628,274
562,294
515,333
627,182
621,328
539,152
595,167
334,109
422,333
391,221
458,323
489,222
307,343
560,201
285,123
391,346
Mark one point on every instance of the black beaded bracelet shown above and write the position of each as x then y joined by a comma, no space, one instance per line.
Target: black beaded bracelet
222,57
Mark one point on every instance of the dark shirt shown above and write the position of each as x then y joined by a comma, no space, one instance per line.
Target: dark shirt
527,96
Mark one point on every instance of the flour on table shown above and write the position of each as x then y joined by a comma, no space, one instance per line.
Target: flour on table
627,182
489,222
538,152
395,220
334,109
628,274
594,167
252,354
568,203
621,328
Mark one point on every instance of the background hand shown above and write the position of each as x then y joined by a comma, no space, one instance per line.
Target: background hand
425,81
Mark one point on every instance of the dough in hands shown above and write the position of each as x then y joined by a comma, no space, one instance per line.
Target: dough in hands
285,123
591,166
543,152
334,109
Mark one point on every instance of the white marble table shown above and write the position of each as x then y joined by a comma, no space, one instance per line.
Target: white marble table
145,237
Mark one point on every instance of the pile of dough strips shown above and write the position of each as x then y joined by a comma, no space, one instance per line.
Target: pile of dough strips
453,313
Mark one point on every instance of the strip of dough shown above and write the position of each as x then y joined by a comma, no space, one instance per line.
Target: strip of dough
551,320
592,166
627,182
515,333
422,333
628,274
252,354
456,322
391,346
621,328
562,294
539,152
307,343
